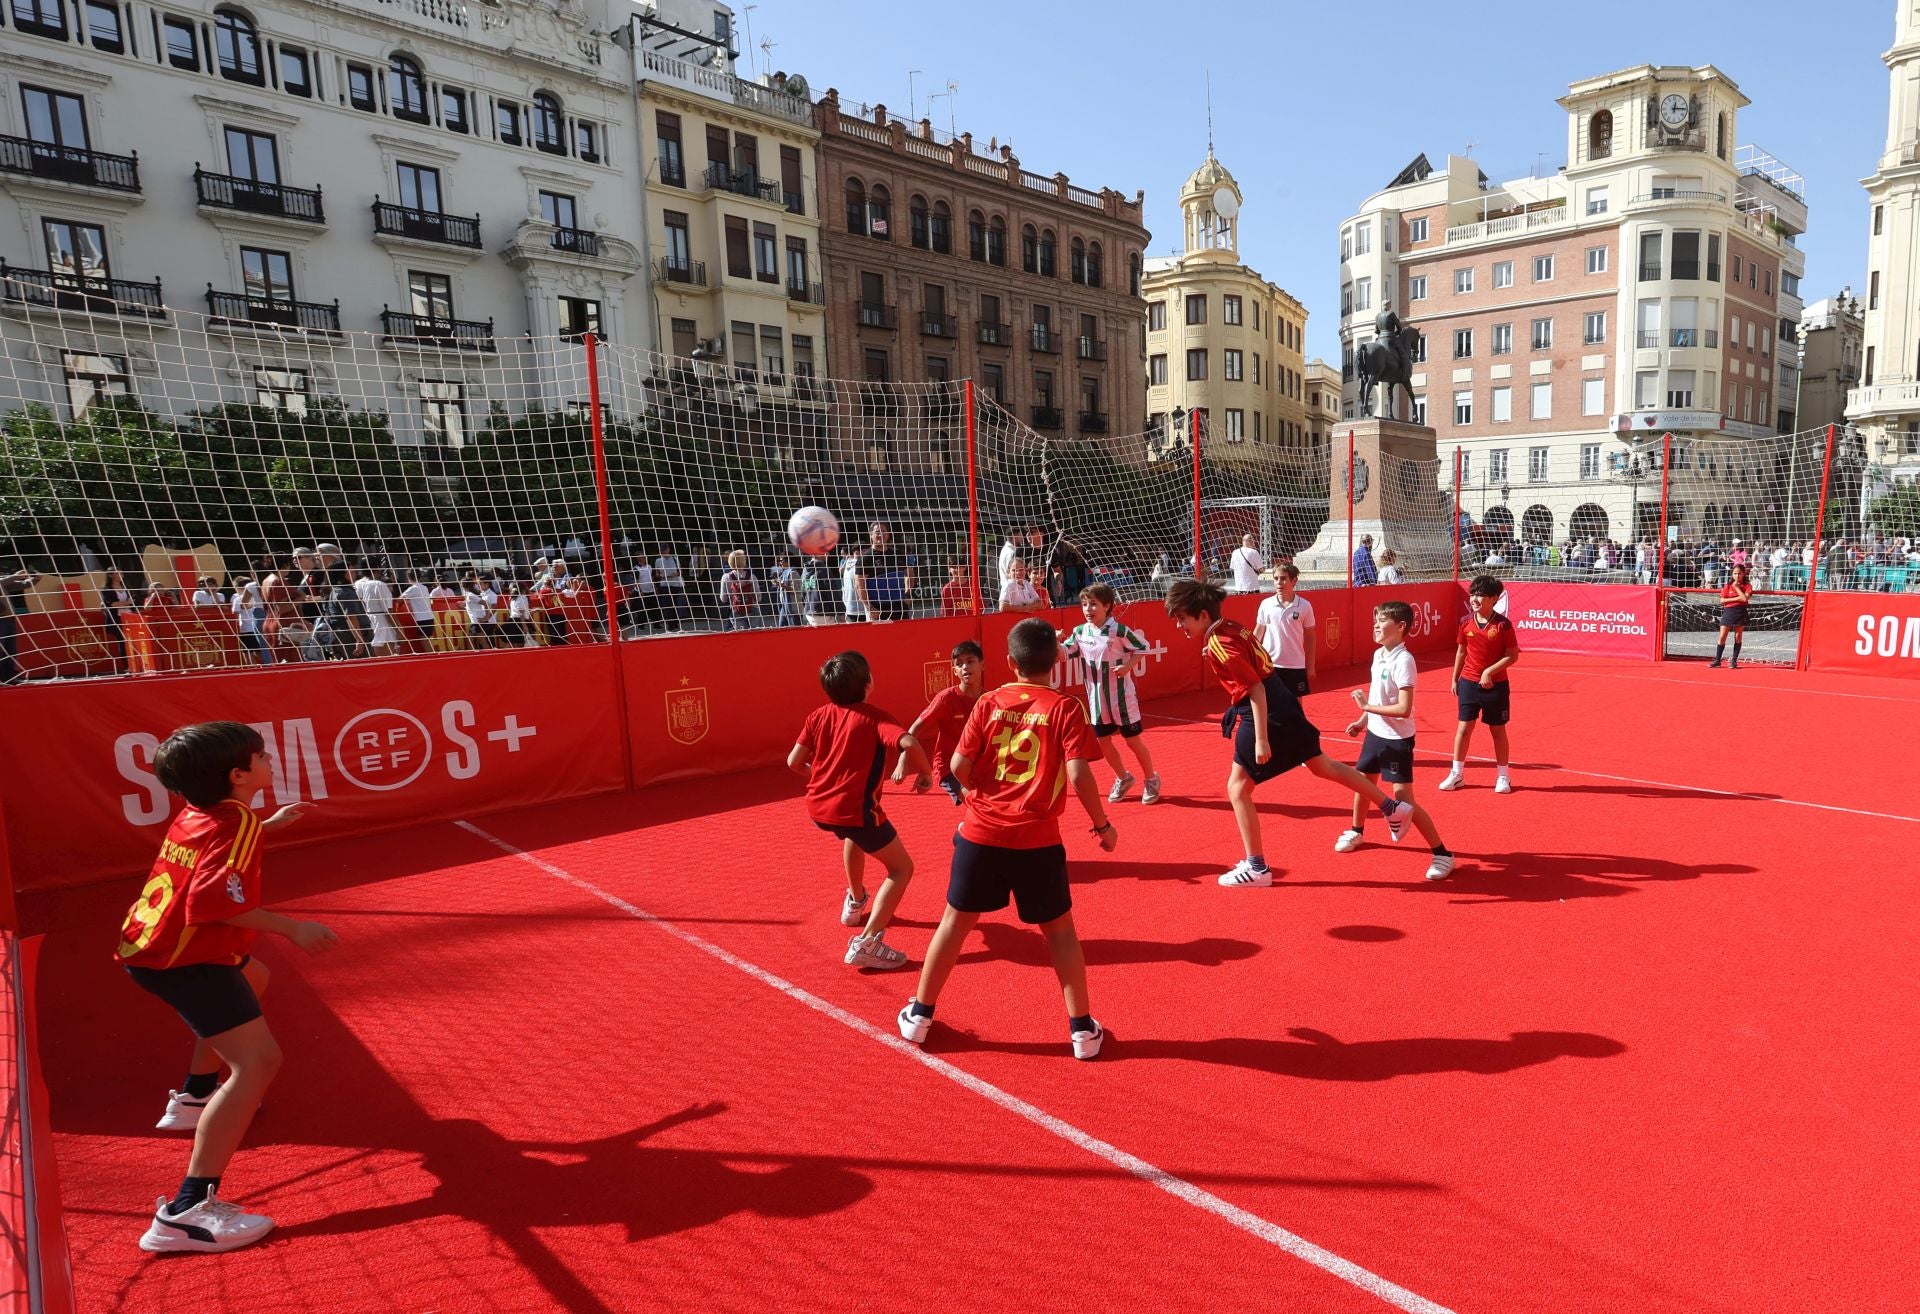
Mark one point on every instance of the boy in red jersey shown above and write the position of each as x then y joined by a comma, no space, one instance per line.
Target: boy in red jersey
1023,744
842,751
185,940
1488,646
1270,734
940,725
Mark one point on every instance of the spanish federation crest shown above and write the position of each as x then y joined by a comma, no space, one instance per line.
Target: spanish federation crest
1332,627
936,676
687,719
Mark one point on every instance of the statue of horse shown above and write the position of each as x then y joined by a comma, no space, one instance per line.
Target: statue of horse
1387,359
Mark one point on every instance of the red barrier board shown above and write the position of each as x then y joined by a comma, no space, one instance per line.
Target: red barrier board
1592,620
1863,634
375,744
180,639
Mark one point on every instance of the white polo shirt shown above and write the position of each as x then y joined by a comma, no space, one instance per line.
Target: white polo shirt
1393,670
1247,565
1283,628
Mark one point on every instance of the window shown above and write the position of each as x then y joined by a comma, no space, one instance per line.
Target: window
559,209
1256,367
443,413
1733,332
47,18
549,127
1600,135
1256,427
1077,260
1502,339
360,88
578,317
919,231
1789,283
252,155
76,250
1346,298
1596,328
1196,364
1596,200
430,295
1156,317
1230,310
1030,249
879,209
506,123
1543,269
875,365
1589,460
1049,246
1646,389
183,48
238,45
91,378
1503,274
1713,257
55,118
1196,308
103,27
673,160
1501,412
743,357
798,279
1766,342
739,248
997,247
1157,370
266,275
1537,465
419,187
766,254
453,110
1679,390
1462,343
1593,396
586,141
1346,244
406,90
1416,230
1596,260
993,380
1873,285
977,236
1236,426
773,354
1496,465
1542,401
1649,256
1362,238
1737,266
684,339
1363,294
1766,281
1543,335
1417,288
1463,280
281,390
941,228
1463,408
679,248
1686,255
1866,376
1235,366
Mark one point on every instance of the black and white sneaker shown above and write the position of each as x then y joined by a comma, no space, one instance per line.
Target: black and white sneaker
183,1112
1086,1044
1397,815
212,1225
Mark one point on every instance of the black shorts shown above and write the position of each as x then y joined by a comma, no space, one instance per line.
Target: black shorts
984,875
1295,678
1131,730
1291,736
1390,759
209,997
1494,706
1734,617
868,839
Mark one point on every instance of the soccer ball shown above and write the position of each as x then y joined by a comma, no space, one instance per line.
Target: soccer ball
814,530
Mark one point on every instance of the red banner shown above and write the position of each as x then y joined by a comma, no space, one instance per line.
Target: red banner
375,744
1591,620
1863,634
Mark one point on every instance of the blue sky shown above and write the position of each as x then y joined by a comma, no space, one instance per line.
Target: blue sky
1112,93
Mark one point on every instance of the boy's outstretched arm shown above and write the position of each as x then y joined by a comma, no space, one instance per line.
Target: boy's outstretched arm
913,755
1080,776
314,937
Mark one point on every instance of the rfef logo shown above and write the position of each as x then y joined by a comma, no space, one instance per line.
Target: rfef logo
382,749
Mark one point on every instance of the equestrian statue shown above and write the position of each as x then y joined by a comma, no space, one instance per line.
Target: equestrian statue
1388,359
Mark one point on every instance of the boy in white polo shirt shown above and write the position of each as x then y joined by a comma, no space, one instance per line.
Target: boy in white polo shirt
1386,714
1284,626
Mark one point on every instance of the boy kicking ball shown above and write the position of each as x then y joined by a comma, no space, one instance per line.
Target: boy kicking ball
185,940
1386,715
940,725
1271,735
1112,654
842,751
1488,646
1023,742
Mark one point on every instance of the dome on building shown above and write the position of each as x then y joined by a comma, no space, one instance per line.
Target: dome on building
1209,176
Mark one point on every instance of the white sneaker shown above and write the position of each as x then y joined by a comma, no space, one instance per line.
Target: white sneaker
211,1225
1398,814
1453,781
912,1027
1151,794
183,1112
872,951
851,913
1441,868
1120,788
1086,1044
1244,874
1501,785
1350,839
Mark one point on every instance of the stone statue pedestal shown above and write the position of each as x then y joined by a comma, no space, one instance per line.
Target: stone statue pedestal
1399,503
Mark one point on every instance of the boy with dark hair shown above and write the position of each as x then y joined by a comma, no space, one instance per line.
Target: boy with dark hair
842,751
1488,646
1386,715
940,725
1270,734
185,941
1110,654
1023,743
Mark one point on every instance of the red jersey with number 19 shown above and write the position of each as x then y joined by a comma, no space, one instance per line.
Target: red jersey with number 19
1019,739
208,870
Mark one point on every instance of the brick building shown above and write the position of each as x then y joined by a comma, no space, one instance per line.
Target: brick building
944,263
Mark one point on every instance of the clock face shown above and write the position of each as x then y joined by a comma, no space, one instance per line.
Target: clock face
1673,111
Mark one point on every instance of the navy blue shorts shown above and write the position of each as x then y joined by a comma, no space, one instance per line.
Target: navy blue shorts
1295,678
1291,736
1390,759
1130,730
868,839
209,997
984,876
1494,706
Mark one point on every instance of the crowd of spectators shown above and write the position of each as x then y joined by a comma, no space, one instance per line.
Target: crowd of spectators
1871,564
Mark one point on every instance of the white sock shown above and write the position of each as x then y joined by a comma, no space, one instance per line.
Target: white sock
1459,768
1500,769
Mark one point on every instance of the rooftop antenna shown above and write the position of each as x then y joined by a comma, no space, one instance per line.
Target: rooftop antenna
746,16
1209,114
766,54
913,105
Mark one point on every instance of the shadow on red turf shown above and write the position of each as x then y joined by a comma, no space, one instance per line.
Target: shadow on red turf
1534,877
1014,944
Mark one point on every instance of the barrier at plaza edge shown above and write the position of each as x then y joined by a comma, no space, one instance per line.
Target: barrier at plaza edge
1863,634
1592,620
374,745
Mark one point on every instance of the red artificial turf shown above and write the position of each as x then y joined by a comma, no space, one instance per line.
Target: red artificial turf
1651,1048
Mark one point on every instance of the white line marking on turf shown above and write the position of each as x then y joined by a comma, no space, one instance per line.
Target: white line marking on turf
1742,794
1254,1225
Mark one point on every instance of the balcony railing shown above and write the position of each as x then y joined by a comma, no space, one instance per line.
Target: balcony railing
240,308
1684,337
1710,338
1092,349
225,192
796,203
120,173
691,272
1046,340
426,225
937,326
1678,196
812,294
996,335
1645,339
876,316
1047,417
1649,273
432,330
1093,421
580,241
96,296
741,183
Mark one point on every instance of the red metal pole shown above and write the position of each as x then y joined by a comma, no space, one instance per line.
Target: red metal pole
1820,520
1349,508
1666,479
1456,517
973,506
609,584
1199,551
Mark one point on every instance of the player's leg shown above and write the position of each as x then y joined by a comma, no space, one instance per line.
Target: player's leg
943,951
1422,820
1137,744
1070,966
1502,758
1332,768
186,1105
899,865
1110,752
1739,633
1252,869
1462,741
1354,835
1719,648
853,905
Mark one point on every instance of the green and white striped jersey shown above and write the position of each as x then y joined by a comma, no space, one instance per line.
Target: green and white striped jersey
1105,651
